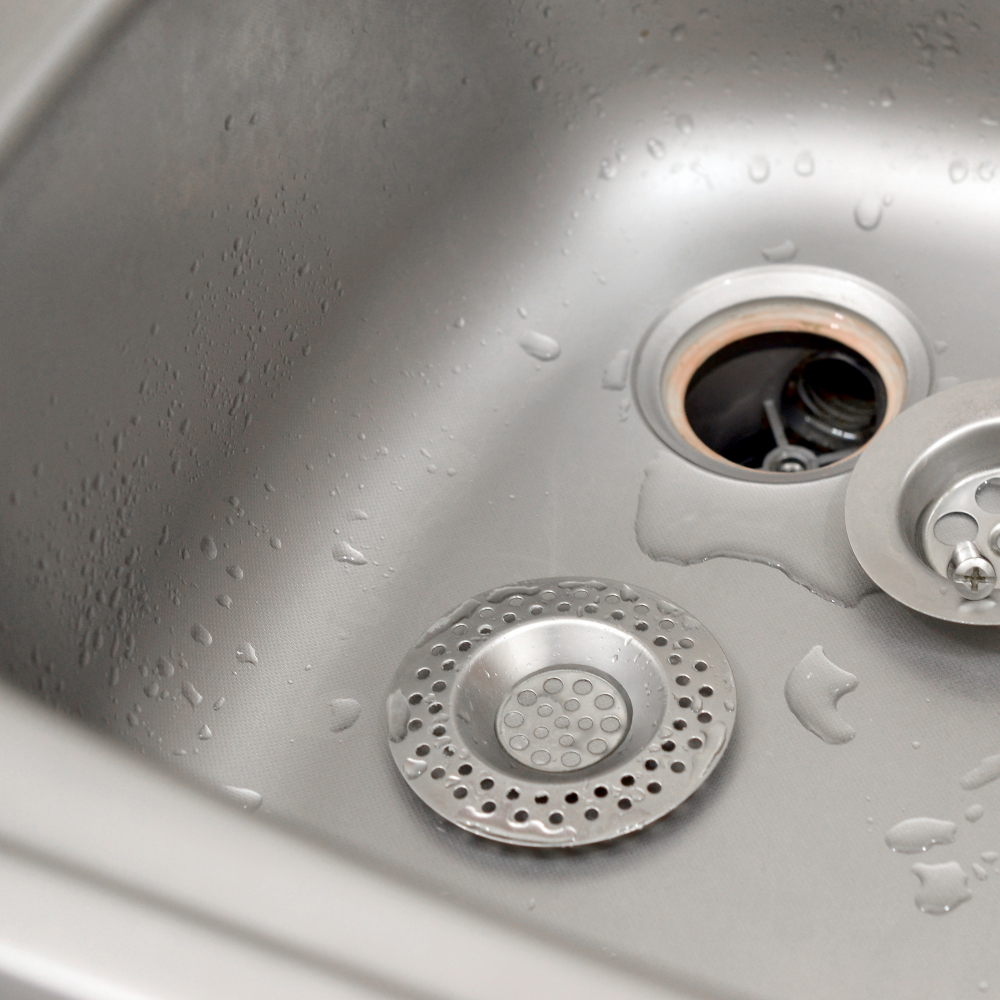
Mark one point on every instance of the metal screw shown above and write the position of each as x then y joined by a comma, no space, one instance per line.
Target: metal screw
973,575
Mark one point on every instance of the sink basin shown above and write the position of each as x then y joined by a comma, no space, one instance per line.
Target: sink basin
308,317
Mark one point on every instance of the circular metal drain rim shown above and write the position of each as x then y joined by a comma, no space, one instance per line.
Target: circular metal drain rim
685,336
908,473
682,712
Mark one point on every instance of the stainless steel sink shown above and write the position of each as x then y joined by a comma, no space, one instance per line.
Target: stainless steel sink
280,287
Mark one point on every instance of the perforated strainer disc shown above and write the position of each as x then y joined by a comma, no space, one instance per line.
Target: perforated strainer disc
555,713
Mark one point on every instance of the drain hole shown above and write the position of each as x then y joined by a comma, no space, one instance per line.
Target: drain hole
423,673
956,527
591,814
785,402
486,784
489,807
988,496
701,666
600,791
448,665
624,803
556,818
465,769
668,746
437,773
521,816
572,797
513,794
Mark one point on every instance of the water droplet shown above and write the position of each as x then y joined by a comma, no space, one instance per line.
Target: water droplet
540,345
201,634
398,715
345,713
987,170
228,123
786,250
358,514
868,212
608,170
989,118
678,33
164,667
886,97
347,553
942,887
245,653
538,83
685,124
275,542
204,733
191,693
616,372
245,797
208,547
656,149
919,834
812,691
805,165
413,768
235,572
979,871
219,704
974,813
987,770
958,170
759,169
225,600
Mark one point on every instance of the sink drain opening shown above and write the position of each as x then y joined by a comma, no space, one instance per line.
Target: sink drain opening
780,374
785,402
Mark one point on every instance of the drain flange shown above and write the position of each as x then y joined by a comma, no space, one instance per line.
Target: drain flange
556,713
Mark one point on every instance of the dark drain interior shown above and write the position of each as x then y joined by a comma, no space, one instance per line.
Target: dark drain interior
785,402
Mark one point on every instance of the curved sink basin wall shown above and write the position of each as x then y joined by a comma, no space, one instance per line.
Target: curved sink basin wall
266,277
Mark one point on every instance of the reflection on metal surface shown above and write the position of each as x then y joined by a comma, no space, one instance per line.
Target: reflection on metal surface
564,713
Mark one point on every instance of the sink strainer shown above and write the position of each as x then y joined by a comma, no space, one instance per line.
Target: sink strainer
923,505
561,712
